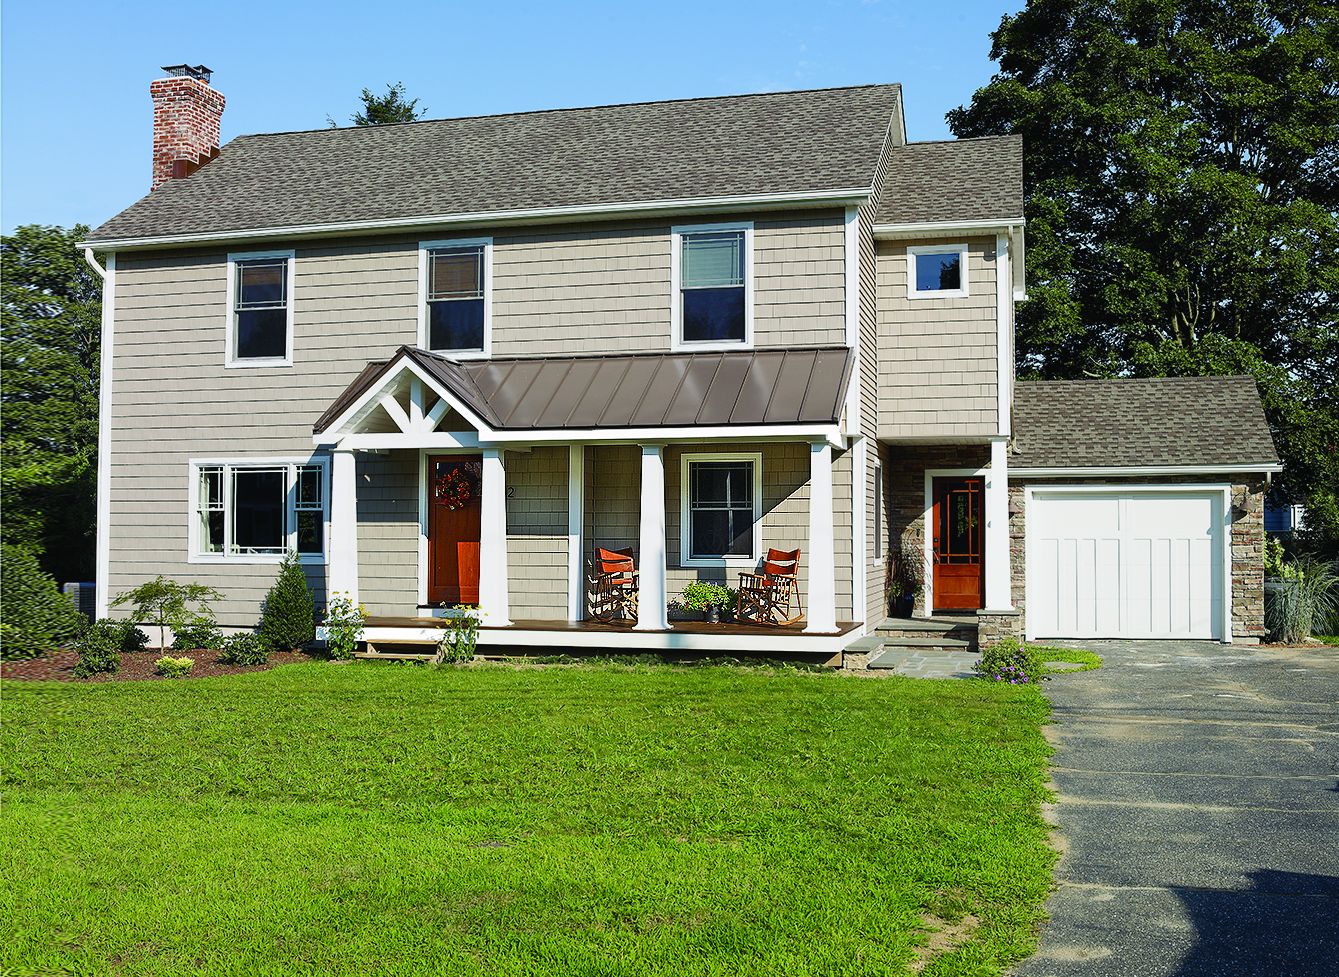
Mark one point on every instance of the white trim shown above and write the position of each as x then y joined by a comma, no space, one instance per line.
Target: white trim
494,580
103,557
686,560
342,546
928,531
652,607
851,254
677,344
662,640
820,198
423,527
822,596
424,247
1004,307
195,552
576,498
922,228
1225,549
859,537
881,523
1140,470
230,359
964,288
997,594
371,397
635,435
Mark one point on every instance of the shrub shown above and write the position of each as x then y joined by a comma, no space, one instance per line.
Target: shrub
460,636
130,639
698,595
1010,660
174,667
344,622
38,617
1305,599
288,615
244,649
166,604
201,632
99,648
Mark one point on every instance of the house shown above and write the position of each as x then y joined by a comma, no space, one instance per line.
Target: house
444,361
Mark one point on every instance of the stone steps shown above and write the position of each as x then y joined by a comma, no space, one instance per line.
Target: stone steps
947,633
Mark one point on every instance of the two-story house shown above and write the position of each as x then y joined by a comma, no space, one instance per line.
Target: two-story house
444,361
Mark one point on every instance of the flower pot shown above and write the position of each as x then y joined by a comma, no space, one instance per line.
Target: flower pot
904,605
713,614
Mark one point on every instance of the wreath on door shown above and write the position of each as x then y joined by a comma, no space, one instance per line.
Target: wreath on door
456,489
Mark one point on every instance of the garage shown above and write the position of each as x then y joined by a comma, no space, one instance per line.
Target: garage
1136,562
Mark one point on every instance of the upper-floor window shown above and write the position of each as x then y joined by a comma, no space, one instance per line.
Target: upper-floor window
456,310
711,268
260,309
937,271
258,510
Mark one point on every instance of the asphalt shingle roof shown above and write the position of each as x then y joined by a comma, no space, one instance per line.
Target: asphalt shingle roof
825,139
954,180
1135,422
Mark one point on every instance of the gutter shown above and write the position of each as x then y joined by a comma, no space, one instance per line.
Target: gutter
1263,468
1006,225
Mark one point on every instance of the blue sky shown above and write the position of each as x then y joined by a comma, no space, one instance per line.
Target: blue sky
75,120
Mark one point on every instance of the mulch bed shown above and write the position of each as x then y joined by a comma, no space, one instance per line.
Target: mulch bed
58,666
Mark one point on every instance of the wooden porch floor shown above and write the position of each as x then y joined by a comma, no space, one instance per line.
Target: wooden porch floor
596,627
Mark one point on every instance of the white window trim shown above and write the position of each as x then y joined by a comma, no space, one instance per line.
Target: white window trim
685,501
880,516
963,277
677,343
195,551
424,247
230,359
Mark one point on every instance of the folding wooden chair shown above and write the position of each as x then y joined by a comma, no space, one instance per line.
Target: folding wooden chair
773,596
612,584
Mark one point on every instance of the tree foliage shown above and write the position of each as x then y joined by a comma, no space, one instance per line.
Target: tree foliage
35,617
50,324
288,615
167,604
1182,181
388,109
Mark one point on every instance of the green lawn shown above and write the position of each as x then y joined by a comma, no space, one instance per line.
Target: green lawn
1085,661
372,819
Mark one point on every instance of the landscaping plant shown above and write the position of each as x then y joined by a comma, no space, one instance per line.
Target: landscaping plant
129,638
246,648
201,632
1010,660
288,615
99,648
174,667
460,636
701,595
344,622
37,617
1304,598
167,604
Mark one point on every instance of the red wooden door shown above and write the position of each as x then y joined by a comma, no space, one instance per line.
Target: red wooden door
959,572
453,529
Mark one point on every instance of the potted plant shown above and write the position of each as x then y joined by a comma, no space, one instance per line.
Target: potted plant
710,598
907,581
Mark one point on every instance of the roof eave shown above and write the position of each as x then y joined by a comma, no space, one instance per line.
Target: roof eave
1074,471
991,225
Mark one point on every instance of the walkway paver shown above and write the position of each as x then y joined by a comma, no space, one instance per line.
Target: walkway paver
927,664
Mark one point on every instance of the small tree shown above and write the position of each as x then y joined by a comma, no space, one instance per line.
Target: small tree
288,616
388,109
167,604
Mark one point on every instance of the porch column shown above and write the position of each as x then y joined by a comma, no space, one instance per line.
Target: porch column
821,606
342,566
576,497
652,614
998,595
494,604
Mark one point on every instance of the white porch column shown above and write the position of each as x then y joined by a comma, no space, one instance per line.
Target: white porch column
998,595
576,497
821,606
652,614
342,565
494,603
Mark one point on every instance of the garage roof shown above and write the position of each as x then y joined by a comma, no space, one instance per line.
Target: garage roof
1168,421
978,179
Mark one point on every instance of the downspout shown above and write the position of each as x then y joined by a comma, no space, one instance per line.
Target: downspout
102,564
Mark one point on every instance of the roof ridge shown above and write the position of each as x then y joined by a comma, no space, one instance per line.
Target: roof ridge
572,108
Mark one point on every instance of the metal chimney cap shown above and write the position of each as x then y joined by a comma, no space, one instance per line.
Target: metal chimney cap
189,71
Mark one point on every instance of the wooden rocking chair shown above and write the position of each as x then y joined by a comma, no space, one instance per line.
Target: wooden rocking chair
773,596
612,584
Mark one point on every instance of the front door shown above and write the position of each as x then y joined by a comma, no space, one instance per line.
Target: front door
453,529
959,579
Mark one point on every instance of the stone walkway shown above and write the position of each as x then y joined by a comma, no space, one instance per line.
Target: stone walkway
926,664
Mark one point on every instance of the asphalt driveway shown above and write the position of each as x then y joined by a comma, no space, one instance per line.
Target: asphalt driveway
1198,804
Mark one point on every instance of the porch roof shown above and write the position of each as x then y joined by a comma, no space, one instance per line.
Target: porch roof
636,390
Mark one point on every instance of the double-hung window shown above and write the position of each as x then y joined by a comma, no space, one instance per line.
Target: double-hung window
721,509
260,309
455,312
258,511
713,301
937,271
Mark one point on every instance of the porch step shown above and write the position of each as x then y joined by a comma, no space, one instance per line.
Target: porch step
947,643
896,630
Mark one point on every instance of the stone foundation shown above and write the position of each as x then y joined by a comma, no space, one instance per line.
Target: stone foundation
993,626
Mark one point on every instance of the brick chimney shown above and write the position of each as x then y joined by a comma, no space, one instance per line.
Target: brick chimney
186,114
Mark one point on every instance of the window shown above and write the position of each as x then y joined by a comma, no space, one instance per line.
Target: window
258,511
937,271
721,509
713,303
260,309
456,310
878,511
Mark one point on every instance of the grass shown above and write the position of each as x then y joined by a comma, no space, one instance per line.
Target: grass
1329,639
1085,660
603,819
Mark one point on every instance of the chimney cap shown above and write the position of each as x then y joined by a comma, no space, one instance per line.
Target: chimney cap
189,71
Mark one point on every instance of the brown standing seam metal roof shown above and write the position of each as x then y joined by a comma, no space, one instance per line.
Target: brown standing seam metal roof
1140,422
716,389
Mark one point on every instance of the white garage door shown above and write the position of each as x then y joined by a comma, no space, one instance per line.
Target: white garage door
1127,563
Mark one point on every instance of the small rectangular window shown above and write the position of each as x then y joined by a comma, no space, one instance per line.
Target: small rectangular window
937,271
260,309
455,298
257,511
721,510
713,286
